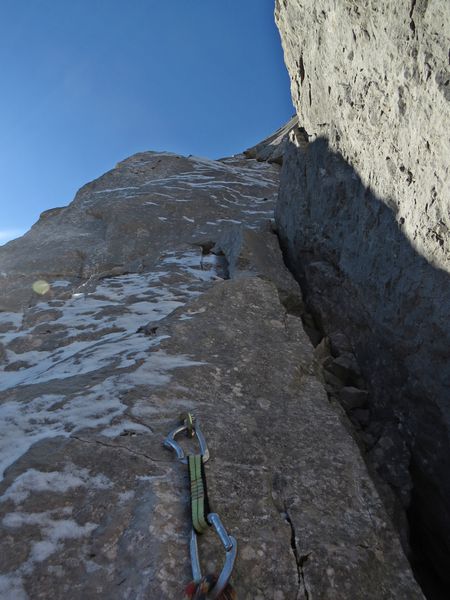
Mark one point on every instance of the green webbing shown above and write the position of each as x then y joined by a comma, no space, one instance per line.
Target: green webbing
199,494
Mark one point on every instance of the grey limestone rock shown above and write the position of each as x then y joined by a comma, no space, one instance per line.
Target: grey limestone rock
141,322
118,223
363,216
258,252
272,149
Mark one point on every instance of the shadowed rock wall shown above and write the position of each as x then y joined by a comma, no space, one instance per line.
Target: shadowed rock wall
363,216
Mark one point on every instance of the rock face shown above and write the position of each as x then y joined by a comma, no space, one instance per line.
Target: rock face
363,217
165,291
272,149
119,223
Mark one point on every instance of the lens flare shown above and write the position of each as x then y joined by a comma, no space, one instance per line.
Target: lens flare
41,287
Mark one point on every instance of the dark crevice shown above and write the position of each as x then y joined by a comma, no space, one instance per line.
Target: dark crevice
423,565
206,247
292,303
222,266
301,69
412,24
300,559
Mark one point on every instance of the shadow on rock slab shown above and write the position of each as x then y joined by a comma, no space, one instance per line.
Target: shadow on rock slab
361,275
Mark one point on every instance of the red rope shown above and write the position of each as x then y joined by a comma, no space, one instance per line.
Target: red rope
199,591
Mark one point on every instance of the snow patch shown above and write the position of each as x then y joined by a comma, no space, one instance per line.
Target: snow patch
26,423
155,371
128,427
11,587
33,481
229,221
92,313
100,332
10,318
196,265
124,497
52,533
119,189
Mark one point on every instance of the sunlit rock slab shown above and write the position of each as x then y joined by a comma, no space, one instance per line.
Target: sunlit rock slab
120,222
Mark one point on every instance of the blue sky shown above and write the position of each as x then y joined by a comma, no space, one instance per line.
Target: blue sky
86,83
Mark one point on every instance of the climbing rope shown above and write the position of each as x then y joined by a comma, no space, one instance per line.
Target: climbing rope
200,591
209,587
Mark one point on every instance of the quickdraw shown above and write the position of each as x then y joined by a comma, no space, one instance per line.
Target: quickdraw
209,587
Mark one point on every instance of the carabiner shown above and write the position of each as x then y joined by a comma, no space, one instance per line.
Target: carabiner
230,545
189,426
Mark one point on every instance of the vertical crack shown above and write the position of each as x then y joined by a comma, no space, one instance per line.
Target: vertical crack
301,68
412,24
300,559
279,499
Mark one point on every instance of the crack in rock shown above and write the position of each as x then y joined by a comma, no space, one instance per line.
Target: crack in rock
300,559
117,447
278,485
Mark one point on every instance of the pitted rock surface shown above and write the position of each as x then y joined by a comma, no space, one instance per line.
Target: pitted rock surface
140,324
363,217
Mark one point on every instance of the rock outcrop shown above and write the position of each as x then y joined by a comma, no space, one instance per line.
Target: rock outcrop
363,217
162,289
272,149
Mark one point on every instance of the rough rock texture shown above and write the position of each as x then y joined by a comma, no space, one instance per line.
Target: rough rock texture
120,222
364,220
272,149
140,323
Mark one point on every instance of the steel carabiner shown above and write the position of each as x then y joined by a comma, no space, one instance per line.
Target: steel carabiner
230,545
191,429
201,515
